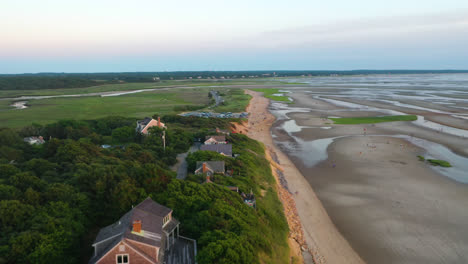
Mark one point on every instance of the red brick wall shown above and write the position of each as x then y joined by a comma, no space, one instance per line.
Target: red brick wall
134,257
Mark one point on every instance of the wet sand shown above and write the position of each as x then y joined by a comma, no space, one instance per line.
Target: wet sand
389,206
325,242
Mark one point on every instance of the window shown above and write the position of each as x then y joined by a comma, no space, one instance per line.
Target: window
122,259
166,219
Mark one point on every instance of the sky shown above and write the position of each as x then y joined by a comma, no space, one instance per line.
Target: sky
179,35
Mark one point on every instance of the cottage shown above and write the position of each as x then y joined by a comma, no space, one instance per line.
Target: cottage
145,234
210,140
210,167
143,125
223,149
34,140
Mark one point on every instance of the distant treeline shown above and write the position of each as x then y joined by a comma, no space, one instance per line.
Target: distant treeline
74,80
34,82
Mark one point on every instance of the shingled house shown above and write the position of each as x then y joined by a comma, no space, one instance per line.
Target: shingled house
210,167
146,234
143,125
210,140
223,149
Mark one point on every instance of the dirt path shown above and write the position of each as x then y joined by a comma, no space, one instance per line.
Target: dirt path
310,224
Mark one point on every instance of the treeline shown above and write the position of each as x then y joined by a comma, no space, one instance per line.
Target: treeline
75,80
27,82
55,197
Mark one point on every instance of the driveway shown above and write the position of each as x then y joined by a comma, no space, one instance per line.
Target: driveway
181,165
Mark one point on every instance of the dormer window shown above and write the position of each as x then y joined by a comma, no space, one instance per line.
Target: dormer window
166,219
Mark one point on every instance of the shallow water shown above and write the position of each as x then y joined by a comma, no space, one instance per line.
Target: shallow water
20,105
313,152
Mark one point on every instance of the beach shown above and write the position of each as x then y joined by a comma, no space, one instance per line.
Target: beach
386,204
324,241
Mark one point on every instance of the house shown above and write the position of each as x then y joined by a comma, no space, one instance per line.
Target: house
143,125
209,140
34,140
146,234
223,149
210,167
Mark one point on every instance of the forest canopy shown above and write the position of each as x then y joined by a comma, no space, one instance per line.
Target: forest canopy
55,197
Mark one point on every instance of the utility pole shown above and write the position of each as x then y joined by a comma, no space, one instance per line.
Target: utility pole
164,139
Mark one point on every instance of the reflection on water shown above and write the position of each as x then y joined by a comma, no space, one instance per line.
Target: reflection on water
441,128
420,120
20,105
313,152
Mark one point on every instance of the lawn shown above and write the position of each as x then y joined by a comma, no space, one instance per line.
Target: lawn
372,119
235,100
138,105
125,87
270,94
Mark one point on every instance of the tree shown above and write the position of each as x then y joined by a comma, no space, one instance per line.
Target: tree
14,215
123,134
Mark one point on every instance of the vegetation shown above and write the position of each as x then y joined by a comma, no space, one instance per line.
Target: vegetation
270,93
441,163
43,82
46,111
73,80
235,100
372,119
54,197
421,158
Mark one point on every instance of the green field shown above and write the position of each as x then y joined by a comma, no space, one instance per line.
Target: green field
127,87
235,100
138,105
372,119
170,97
269,93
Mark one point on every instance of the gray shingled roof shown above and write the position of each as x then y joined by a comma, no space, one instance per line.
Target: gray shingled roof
151,215
220,148
144,121
215,166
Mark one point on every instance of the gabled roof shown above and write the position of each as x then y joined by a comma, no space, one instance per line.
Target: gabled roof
145,121
220,148
150,214
217,138
215,166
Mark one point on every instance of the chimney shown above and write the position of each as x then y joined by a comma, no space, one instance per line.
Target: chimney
159,121
204,167
137,226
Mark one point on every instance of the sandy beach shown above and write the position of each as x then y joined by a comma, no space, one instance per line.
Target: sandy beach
325,242
389,206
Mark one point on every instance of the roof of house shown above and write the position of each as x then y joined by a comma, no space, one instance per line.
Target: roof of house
217,138
39,140
145,121
150,214
220,148
216,166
